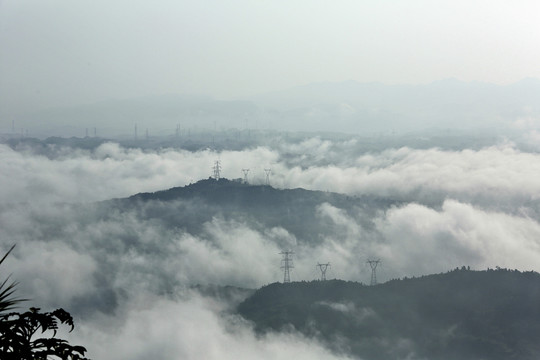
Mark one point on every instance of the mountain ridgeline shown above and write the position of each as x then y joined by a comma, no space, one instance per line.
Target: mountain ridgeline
348,106
462,314
459,315
261,206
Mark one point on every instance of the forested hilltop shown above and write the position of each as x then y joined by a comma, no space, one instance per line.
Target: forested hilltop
262,206
462,314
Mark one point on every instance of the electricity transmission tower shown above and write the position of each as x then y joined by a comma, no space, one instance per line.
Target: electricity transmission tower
286,265
217,170
268,172
373,265
245,171
323,268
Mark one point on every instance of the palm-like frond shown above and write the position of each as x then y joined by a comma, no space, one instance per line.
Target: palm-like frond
7,301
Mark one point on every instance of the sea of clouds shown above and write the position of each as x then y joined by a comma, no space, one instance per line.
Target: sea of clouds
127,280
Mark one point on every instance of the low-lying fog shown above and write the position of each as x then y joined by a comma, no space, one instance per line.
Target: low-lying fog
127,281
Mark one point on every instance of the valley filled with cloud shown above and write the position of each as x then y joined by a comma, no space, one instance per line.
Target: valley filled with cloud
123,269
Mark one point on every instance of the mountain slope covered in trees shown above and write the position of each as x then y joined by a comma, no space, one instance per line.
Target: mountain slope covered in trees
262,206
461,314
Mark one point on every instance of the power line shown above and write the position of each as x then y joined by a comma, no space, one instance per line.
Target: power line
217,169
286,265
373,265
323,268
245,171
268,172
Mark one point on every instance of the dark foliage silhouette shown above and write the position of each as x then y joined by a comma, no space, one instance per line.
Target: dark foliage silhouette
7,301
32,334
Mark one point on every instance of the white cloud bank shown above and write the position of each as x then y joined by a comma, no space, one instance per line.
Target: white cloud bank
187,328
498,174
485,215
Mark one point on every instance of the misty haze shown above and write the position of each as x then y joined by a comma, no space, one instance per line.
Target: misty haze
244,180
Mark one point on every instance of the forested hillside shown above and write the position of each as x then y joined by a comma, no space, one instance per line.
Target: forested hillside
462,314
262,206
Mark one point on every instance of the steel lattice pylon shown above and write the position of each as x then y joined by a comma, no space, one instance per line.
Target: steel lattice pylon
286,265
373,264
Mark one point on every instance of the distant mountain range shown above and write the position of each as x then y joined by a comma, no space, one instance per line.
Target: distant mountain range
342,107
459,315
376,107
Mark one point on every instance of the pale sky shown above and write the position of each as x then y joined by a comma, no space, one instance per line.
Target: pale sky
63,52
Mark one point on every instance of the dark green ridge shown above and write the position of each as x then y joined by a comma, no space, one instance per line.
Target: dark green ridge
260,206
461,314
